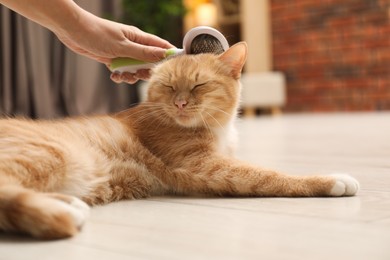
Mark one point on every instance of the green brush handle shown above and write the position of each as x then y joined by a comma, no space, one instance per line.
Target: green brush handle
132,65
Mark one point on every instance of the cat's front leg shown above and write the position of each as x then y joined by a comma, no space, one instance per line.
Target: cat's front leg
226,176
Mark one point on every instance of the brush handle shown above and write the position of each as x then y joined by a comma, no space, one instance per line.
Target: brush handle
132,65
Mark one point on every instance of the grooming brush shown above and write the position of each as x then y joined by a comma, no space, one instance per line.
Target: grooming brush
201,39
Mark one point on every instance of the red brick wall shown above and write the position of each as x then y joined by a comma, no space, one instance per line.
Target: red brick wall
334,53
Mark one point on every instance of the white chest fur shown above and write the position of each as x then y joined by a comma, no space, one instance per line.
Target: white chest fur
227,138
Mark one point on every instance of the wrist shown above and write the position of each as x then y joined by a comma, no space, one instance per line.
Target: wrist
56,15
65,19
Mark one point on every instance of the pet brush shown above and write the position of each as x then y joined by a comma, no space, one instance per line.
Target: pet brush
201,39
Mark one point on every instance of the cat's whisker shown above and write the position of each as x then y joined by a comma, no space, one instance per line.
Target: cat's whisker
151,107
210,115
144,104
140,118
144,116
154,110
163,119
217,109
206,125
147,116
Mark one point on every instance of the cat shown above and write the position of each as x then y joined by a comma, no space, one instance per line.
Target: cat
180,141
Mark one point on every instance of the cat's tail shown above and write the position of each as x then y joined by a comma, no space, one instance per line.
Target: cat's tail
41,215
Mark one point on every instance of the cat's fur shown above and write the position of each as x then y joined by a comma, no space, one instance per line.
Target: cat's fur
180,141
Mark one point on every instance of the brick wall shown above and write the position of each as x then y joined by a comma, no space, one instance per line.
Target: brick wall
335,53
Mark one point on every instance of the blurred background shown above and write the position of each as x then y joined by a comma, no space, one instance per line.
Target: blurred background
304,56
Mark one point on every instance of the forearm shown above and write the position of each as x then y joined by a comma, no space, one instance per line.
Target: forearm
56,15
90,35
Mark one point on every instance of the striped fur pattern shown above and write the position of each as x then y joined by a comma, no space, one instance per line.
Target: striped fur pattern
180,141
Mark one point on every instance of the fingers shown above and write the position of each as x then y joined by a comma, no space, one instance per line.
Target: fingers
143,46
142,52
123,77
143,74
151,40
130,78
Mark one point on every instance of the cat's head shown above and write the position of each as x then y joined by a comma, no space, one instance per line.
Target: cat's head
203,89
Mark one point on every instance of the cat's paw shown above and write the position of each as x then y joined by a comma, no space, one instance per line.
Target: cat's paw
79,211
344,185
46,215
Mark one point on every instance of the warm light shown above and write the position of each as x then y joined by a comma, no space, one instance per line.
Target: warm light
206,14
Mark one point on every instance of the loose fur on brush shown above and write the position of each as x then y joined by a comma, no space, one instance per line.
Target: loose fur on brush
180,141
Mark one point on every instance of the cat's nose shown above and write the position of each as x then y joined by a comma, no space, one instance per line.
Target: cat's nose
180,103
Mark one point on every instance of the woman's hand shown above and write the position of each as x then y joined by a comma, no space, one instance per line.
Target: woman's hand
92,36
104,40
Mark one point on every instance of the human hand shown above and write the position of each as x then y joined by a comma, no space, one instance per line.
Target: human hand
103,40
91,36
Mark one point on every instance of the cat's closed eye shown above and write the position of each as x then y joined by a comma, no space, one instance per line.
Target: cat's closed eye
199,85
169,87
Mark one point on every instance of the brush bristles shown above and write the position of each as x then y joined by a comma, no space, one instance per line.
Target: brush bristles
206,43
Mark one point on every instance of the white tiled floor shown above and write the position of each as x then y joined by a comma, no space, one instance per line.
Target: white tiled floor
254,228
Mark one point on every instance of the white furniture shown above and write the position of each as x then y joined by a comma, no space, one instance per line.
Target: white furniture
264,90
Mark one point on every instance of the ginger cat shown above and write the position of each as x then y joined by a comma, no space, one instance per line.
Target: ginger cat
178,142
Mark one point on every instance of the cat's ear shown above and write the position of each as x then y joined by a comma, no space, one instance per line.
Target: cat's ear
235,58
